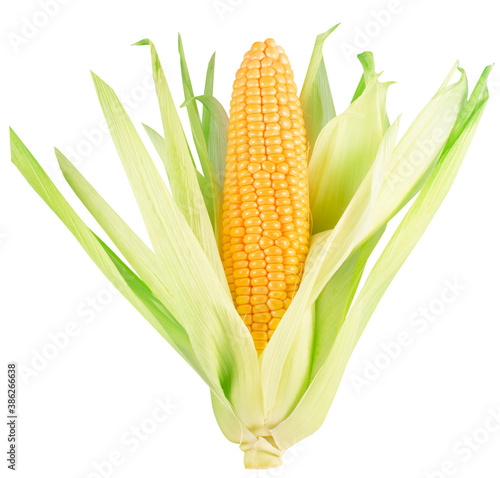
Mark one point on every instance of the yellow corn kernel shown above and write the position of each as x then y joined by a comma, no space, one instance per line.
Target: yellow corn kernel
266,208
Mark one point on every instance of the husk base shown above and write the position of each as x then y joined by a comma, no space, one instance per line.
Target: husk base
261,454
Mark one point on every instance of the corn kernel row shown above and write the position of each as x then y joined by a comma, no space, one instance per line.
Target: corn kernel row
266,206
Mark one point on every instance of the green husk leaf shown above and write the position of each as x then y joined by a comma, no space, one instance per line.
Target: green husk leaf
135,251
319,396
219,127
333,303
431,128
148,187
371,207
359,89
368,63
208,91
221,342
154,310
229,423
159,144
180,170
419,149
476,101
201,145
119,232
316,96
115,270
294,377
194,115
476,98
305,353
345,151
214,127
286,340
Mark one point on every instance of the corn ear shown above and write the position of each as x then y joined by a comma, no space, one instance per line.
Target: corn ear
268,404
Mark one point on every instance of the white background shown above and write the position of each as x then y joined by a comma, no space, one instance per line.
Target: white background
82,403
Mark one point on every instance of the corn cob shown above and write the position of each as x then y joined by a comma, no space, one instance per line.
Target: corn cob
266,204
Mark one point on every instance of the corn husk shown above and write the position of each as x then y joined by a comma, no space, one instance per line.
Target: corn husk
360,177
